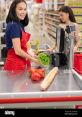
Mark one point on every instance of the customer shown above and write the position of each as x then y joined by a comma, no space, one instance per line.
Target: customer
67,18
16,37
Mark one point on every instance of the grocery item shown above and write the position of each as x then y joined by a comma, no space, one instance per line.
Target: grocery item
74,2
44,59
37,73
35,76
49,78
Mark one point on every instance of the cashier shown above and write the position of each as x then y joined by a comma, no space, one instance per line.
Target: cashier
16,37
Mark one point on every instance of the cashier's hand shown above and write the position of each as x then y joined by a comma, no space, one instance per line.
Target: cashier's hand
32,53
35,59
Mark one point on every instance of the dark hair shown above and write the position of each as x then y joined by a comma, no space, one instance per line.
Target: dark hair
12,13
68,10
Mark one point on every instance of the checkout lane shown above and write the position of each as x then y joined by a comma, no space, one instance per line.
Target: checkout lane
20,91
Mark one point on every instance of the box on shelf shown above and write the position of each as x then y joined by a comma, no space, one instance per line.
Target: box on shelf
74,2
78,19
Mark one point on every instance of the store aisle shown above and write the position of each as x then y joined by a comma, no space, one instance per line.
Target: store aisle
30,29
37,34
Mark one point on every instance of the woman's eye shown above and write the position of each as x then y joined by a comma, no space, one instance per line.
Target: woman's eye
20,9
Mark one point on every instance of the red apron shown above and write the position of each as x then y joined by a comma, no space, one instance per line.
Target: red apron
15,62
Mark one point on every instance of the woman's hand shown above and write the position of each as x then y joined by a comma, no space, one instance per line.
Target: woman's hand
32,53
36,61
50,50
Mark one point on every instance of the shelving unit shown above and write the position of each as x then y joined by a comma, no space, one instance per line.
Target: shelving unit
41,20
47,19
51,18
37,19
51,23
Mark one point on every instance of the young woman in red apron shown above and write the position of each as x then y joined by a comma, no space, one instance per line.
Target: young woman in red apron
17,62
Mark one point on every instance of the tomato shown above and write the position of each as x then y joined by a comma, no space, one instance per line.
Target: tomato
42,73
35,76
37,73
32,70
40,70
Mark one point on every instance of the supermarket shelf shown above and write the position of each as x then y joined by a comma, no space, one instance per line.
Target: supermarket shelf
52,33
61,3
53,19
78,14
51,28
51,13
79,22
58,3
48,22
51,36
76,6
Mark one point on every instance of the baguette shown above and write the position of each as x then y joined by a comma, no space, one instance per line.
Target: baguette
49,78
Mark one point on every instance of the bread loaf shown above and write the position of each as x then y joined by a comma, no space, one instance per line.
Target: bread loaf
49,78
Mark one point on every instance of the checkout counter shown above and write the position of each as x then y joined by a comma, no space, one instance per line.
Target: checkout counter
19,91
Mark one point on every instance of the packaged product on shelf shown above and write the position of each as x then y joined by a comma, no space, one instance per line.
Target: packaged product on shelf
74,2
77,10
